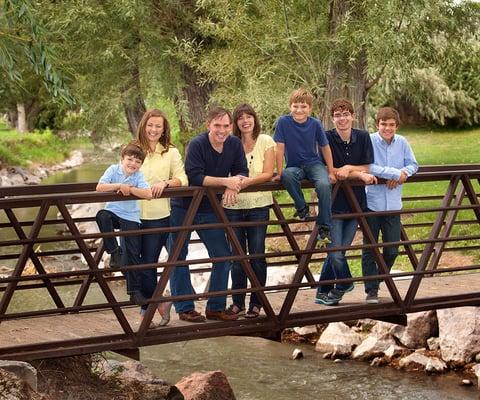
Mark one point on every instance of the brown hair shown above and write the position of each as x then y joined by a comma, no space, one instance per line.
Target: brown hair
341,105
301,96
385,113
245,109
218,112
134,150
165,139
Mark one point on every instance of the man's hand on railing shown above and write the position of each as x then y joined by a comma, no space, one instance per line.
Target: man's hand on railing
368,179
234,183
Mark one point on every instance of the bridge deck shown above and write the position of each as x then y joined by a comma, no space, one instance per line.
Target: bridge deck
103,323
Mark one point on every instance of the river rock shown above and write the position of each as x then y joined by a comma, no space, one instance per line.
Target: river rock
420,326
395,350
433,343
127,370
373,346
211,385
14,388
305,330
338,339
476,371
459,334
22,370
417,359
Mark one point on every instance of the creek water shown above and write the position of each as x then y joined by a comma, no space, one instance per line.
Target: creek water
260,369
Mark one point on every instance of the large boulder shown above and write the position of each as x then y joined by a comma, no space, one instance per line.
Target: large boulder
459,334
338,339
22,370
372,347
418,360
420,326
211,385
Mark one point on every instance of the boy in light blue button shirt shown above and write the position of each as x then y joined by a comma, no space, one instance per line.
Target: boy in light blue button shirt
394,161
124,178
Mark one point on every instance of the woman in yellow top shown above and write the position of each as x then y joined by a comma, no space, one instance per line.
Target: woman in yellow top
163,168
252,206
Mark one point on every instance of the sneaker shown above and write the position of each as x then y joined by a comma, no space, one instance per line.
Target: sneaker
191,316
138,299
116,258
348,289
323,298
235,310
302,214
323,238
372,296
336,295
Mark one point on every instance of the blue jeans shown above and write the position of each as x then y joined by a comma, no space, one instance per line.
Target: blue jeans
316,173
389,225
253,239
107,222
336,265
217,246
152,244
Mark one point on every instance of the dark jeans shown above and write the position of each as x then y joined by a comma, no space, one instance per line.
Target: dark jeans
152,244
316,173
217,246
336,265
107,222
251,238
389,225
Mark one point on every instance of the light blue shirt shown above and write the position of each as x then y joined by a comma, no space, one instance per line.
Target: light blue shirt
389,161
128,209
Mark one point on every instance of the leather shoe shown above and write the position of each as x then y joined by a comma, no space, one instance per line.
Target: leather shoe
221,315
191,316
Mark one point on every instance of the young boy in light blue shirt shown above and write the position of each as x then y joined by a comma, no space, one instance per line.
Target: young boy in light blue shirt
124,178
394,161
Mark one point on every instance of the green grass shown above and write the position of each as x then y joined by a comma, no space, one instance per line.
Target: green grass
39,147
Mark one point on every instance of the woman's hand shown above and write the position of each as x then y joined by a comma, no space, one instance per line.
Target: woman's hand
158,188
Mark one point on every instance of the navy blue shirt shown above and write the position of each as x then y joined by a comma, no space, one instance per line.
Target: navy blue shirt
359,151
301,140
203,160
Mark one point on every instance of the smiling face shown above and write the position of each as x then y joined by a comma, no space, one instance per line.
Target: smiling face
130,164
300,111
387,129
218,130
343,120
246,123
154,130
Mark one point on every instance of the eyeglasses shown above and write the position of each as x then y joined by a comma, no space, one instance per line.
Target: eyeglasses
345,114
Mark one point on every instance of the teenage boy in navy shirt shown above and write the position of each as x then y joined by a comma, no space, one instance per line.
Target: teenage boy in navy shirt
214,158
395,162
298,137
352,153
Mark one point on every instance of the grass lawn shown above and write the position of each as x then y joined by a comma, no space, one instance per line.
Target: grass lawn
431,147
39,147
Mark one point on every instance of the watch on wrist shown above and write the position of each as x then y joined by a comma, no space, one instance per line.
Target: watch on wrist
167,185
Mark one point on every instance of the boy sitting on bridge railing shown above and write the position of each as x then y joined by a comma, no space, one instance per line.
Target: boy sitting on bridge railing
394,161
124,178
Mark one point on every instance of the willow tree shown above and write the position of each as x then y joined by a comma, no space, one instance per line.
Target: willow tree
337,48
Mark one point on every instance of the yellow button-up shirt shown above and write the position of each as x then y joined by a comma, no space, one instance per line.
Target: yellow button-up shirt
159,167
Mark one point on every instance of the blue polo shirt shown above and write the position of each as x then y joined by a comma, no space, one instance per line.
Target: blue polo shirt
301,140
127,209
358,151
203,160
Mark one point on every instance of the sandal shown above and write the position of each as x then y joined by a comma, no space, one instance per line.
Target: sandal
235,310
254,312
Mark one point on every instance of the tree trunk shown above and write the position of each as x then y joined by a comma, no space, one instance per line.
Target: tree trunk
345,79
134,105
192,103
21,118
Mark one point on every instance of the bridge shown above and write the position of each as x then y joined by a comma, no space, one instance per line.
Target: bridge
83,308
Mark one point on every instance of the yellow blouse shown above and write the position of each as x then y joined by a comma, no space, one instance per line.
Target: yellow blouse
159,167
255,161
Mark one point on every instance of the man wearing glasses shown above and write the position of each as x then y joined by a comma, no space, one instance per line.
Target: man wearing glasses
352,153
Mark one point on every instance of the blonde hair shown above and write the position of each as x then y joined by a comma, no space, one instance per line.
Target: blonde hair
301,96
